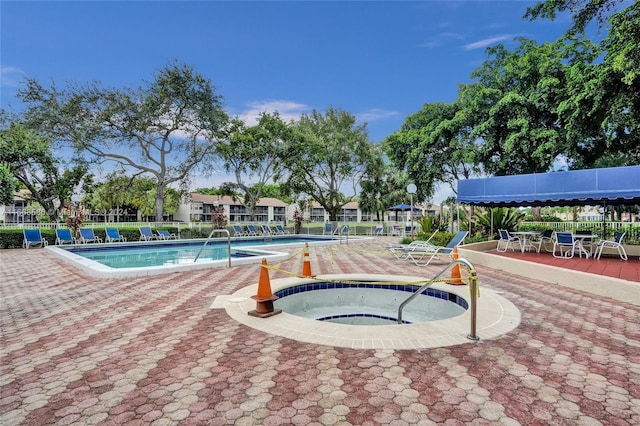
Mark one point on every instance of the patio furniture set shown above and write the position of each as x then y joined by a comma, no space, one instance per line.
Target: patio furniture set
563,244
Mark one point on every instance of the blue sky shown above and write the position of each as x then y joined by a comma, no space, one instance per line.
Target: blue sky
381,61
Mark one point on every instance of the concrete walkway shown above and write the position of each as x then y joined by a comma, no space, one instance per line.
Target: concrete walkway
82,350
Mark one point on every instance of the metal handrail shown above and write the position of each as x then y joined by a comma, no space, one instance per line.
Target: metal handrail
474,294
209,237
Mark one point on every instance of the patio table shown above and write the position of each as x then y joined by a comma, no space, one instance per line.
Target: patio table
526,237
580,238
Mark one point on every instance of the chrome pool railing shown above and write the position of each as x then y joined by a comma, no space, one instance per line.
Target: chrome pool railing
216,231
473,283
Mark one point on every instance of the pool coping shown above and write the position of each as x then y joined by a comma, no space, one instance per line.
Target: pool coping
495,317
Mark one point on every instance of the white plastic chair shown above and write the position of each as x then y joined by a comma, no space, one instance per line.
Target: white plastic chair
615,244
507,240
564,240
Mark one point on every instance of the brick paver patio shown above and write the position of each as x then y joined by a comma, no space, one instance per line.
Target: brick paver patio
82,350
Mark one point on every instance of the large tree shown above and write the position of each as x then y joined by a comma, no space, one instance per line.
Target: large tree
253,155
7,186
432,147
582,11
327,158
163,129
512,107
30,159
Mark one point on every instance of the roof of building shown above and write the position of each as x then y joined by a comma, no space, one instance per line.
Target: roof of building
230,201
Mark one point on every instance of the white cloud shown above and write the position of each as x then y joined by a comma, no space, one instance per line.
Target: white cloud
487,42
375,114
11,76
288,110
441,39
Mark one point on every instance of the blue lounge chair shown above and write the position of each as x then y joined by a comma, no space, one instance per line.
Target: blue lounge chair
63,236
343,230
423,255
266,230
280,230
238,231
146,234
379,231
88,236
33,237
113,235
328,229
163,234
252,230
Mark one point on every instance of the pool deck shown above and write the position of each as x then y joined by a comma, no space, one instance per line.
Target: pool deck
77,349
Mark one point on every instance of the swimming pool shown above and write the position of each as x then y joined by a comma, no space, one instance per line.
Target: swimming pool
142,258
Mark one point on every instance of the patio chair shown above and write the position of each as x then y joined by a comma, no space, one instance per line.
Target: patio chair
163,234
410,230
280,230
88,236
251,230
112,235
545,239
394,230
266,230
63,236
33,237
429,253
615,244
342,230
564,240
238,231
328,229
146,234
507,240
413,243
379,231
401,251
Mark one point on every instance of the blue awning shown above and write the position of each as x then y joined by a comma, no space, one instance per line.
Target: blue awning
610,186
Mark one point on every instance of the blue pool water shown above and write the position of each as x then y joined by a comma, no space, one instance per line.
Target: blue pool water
367,303
146,254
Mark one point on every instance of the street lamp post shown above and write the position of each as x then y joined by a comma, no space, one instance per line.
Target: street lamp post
411,189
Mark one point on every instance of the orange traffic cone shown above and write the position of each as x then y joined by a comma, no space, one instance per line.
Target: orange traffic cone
306,263
264,299
456,276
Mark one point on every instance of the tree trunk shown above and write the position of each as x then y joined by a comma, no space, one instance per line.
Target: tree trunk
537,214
159,202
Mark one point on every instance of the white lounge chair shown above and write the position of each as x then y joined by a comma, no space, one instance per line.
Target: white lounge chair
422,256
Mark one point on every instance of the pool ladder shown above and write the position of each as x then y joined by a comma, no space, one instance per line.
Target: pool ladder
473,283
216,231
